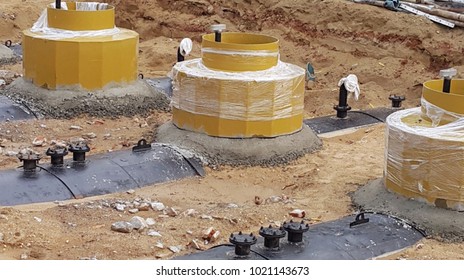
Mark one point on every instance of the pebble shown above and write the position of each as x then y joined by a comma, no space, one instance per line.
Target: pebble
154,233
142,125
3,217
2,82
232,205
131,191
171,212
120,207
144,206
274,199
1,237
175,249
23,256
258,200
150,221
11,153
43,125
297,213
133,211
159,245
106,136
157,206
124,227
190,212
138,223
75,127
38,219
194,244
209,233
90,135
418,246
206,217
39,141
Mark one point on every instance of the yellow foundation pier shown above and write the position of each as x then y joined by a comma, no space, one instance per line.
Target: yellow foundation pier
80,49
425,148
238,89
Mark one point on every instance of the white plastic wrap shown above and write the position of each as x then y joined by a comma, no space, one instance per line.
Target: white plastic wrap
185,46
425,162
248,96
438,115
41,29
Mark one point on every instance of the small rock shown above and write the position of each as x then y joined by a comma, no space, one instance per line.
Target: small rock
194,244
3,217
89,135
297,213
157,206
150,221
154,233
106,136
133,211
232,205
233,221
38,219
159,245
131,191
189,232
189,213
99,122
138,223
43,125
142,125
23,256
274,199
210,234
162,256
144,206
2,82
418,246
39,141
124,227
75,127
11,153
175,249
206,217
171,212
120,207
258,200
1,237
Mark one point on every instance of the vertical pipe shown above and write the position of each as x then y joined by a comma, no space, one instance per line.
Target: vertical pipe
447,84
58,4
217,36
180,57
342,102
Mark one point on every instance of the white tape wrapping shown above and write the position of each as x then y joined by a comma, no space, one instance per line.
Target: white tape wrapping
248,96
261,53
41,29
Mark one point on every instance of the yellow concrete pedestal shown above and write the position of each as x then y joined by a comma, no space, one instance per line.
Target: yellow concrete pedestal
425,148
83,61
239,89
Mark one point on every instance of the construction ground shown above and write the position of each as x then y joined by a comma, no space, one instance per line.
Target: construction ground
391,53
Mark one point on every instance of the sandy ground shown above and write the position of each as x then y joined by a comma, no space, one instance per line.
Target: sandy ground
391,53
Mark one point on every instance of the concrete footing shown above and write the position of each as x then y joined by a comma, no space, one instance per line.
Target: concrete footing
252,151
439,223
111,101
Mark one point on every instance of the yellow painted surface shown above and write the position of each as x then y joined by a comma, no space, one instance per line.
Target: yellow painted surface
235,108
74,20
240,52
425,167
82,62
451,103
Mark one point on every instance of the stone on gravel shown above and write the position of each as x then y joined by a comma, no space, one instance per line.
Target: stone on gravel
131,191
138,223
144,206
159,245
120,207
150,221
153,233
133,211
157,206
124,227
175,249
171,212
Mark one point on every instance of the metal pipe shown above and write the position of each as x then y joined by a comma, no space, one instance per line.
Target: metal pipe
217,36
447,84
342,108
180,57
58,4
